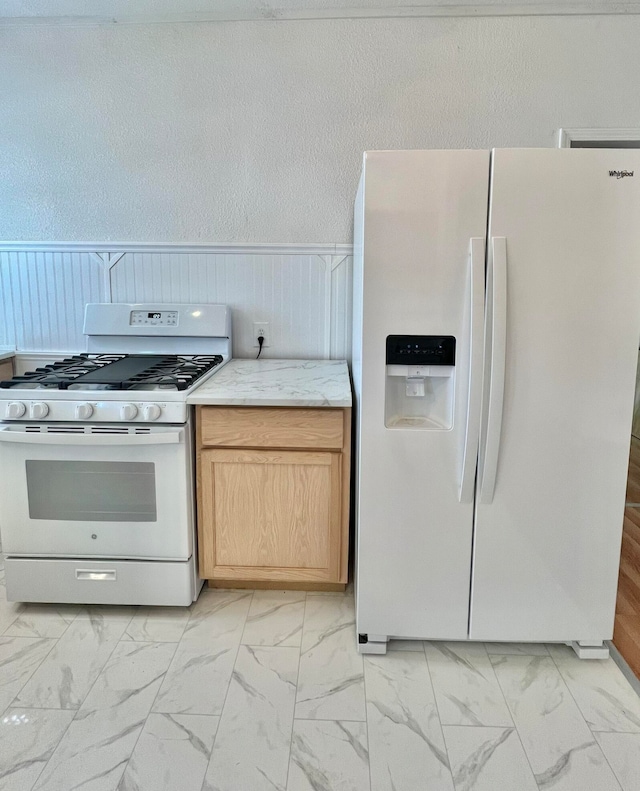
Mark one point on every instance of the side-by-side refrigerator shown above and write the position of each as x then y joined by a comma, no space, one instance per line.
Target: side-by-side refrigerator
496,329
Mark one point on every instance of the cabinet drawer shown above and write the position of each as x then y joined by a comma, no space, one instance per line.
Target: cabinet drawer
270,427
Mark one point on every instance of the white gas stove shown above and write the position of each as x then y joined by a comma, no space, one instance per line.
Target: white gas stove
141,363
96,459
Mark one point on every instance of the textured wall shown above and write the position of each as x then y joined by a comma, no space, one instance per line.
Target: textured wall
253,131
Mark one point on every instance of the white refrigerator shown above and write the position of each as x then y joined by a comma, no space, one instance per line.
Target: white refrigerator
495,340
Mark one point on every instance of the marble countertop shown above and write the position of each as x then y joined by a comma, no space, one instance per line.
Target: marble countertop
311,383
6,352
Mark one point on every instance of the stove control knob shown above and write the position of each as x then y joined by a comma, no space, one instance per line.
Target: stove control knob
39,410
152,412
128,411
15,409
84,411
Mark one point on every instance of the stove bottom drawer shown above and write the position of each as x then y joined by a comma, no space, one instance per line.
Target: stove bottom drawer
101,582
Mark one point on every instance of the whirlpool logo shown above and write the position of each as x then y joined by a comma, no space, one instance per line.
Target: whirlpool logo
621,174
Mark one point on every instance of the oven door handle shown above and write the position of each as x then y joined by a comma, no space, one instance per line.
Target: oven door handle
90,440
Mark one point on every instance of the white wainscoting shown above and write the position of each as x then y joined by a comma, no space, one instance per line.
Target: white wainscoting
302,291
43,298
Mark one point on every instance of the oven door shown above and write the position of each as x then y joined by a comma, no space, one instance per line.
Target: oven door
96,491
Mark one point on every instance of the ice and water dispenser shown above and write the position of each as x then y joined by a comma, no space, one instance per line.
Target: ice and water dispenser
420,381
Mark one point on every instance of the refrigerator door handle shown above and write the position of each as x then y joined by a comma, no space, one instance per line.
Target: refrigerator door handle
498,288
476,326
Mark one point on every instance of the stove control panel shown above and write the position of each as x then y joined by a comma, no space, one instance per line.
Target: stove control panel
154,318
94,411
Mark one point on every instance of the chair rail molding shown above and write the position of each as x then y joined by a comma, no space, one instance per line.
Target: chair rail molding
287,248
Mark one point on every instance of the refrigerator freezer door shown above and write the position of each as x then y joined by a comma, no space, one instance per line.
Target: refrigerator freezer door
416,214
547,544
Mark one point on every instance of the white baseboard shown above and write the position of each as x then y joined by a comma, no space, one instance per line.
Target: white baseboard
626,670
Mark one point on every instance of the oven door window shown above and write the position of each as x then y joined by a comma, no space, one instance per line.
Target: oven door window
92,491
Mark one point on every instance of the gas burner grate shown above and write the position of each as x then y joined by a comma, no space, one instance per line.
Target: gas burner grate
118,372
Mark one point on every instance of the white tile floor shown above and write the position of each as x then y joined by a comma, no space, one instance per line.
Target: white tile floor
249,691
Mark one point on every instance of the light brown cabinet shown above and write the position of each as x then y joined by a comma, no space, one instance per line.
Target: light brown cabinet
273,496
6,369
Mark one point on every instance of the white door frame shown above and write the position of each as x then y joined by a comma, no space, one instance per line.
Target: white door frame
567,136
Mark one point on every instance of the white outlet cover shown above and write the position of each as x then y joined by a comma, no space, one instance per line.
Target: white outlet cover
261,328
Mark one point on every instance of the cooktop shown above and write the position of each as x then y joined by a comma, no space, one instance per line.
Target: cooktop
118,372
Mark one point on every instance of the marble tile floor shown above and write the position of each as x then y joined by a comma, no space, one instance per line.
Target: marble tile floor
246,691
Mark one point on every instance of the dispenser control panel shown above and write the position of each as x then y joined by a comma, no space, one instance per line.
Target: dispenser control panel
421,350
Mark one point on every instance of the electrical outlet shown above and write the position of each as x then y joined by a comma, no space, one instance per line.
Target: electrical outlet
261,328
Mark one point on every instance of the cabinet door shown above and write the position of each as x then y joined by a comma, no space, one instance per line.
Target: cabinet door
270,515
